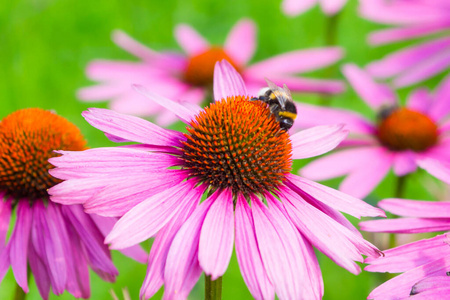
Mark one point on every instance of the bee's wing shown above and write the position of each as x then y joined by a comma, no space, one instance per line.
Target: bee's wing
287,91
272,85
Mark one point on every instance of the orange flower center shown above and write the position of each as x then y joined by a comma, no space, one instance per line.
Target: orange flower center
238,144
27,140
200,68
405,129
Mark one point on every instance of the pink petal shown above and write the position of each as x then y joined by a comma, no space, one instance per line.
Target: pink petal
400,61
424,69
310,115
317,140
361,181
439,284
409,256
5,216
134,47
248,254
154,277
296,7
217,236
39,270
406,225
190,40
227,81
333,198
280,251
400,286
182,268
338,163
78,276
441,105
148,217
374,94
404,162
19,243
132,128
386,36
240,43
334,240
416,208
5,261
300,61
438,169
420,100
331,7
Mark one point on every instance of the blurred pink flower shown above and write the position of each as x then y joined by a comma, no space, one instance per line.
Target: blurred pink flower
414,19
188,77
296,7
235,154
424,263
57,242
402,137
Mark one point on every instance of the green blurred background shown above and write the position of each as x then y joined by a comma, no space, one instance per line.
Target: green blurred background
46,44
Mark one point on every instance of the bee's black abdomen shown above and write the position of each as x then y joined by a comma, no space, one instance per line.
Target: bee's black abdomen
286,123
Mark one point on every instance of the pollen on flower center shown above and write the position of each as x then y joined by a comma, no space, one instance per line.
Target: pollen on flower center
405,129
238,144
200,68
27,140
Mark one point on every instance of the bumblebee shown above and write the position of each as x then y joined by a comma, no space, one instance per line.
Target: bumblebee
280,104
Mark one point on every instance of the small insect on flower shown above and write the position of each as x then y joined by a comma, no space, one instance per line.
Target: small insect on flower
280,104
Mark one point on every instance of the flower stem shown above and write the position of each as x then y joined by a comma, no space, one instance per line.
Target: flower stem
19,294
399,191
213,288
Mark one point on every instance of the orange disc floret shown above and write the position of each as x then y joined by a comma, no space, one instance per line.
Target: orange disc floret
27,140
237,143
200,68
406,129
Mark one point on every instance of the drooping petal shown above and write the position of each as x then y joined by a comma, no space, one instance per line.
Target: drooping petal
438,169
300,61
416,208
40,272
333,198
132,128
317,140
217,236
241,41
19,240
5,216
336,241
148,217
374,94
182,267
404,163
409,256
190,40
248,255
227,81
441,105
310,115
154,277
400,286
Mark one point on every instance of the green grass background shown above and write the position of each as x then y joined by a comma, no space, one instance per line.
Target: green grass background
46,44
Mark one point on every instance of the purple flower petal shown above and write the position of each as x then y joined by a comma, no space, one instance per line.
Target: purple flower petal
227,81
132,46
441,105
410,256
331,7
248,255
217,236
404,162
182,112
435,286
420,100
317,140
406,225
416,208
190,40
19,244
5,216
300,61
40,272
132,128
295,7
438,169
146,218
241,41
333,198
374,94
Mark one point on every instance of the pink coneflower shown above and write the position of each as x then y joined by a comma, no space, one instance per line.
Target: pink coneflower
57,242
402,136
235,155
296,7
189,77
424,263
413,18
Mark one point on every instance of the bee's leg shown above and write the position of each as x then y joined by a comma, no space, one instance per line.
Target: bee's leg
274,107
